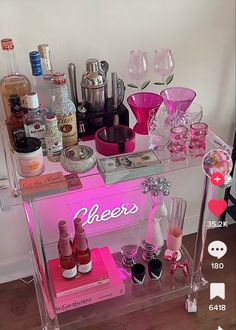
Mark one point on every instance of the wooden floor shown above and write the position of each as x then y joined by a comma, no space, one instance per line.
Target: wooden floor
19,309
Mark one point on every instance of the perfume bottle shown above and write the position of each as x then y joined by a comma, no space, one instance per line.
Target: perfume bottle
82,252
67,260
13,82
34,122
53,138
65,111
40,85
15,123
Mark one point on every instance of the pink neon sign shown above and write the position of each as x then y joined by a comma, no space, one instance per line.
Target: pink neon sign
95,214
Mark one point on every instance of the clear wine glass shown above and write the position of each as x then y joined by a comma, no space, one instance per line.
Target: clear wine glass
159,129
130,244
138,65
163,62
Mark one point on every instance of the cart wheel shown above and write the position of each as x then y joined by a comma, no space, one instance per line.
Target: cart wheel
191,306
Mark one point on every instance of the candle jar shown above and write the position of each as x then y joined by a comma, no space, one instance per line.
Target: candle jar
178,147
197,144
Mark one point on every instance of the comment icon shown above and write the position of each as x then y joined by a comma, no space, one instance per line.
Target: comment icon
217,249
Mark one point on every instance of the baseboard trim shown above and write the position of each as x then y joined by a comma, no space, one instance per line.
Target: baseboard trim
15,269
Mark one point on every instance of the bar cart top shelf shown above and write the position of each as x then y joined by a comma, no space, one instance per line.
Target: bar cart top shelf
92,179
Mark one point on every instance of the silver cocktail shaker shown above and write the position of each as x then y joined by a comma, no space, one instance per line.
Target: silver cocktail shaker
94,86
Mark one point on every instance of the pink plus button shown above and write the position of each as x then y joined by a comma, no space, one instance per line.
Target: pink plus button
217,179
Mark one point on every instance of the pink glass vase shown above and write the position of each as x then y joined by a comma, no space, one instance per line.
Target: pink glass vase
177,99
197,144
141,104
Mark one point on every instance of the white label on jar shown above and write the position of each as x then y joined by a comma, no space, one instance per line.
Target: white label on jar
85,268
67,125
31,166
69,273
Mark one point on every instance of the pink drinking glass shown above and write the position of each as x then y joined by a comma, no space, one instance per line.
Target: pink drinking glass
177,99
141,104
178,146
197,146
138,65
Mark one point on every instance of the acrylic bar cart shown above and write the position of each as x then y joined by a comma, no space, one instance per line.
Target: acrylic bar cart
43,234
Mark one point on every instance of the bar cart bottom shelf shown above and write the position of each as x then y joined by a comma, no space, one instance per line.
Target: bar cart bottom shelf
139,297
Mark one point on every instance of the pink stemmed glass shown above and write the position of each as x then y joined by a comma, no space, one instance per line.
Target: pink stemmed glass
178,146
141,104
163,62
197,144
138,65
177,99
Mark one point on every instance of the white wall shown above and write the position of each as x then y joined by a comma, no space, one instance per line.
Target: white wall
200,33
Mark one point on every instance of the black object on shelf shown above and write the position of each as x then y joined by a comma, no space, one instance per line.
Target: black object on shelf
229,198
89,122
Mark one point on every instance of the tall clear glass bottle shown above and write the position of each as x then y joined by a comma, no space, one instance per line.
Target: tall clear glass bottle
13,82
40,85
53,138
65,111
34,121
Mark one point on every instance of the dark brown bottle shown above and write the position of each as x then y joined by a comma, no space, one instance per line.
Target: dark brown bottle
67,259
82,252
15,123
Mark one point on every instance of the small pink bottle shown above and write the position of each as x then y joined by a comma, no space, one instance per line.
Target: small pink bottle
67,260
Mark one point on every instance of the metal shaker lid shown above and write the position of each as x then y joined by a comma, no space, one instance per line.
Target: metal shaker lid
92,65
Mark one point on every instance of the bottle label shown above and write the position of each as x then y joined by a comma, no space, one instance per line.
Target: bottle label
69,273
67,125
18,133
36,130
85,268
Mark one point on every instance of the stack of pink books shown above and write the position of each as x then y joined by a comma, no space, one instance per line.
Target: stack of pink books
103,282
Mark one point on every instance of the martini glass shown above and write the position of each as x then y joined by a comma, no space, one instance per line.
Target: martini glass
141,104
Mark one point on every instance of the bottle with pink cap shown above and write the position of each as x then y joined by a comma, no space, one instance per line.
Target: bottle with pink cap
67,260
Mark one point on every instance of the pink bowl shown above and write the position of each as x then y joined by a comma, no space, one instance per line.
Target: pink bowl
141,104
114,140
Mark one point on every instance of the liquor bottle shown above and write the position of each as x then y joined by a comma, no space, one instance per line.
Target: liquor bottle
65,111
62,226
53,138
34,122
82,252
15,123
44,52
67,260
40,85
13,82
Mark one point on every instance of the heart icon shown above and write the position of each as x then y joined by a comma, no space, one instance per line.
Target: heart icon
217,207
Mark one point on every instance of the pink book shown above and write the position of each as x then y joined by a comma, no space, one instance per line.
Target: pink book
90,296
98,276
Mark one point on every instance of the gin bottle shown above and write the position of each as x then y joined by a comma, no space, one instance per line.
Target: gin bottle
34,122
65,111
53,138
13,82
40,85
